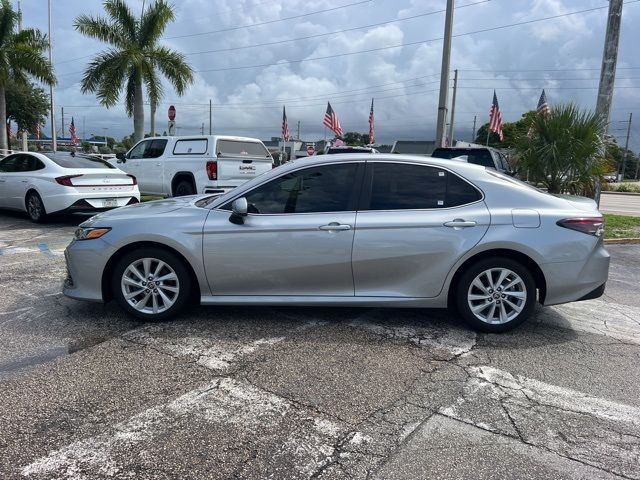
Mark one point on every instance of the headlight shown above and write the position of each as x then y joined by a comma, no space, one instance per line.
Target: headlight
88,233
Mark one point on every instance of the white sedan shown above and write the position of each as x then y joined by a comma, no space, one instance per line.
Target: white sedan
46,183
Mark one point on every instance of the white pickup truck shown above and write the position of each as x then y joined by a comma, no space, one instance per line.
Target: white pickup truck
177,166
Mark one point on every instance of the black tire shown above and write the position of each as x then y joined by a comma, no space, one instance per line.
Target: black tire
174,262
464,289
35,208
184,188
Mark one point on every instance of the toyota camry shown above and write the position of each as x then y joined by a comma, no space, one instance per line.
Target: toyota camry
349,230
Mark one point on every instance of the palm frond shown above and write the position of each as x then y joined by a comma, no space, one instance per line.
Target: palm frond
133,77
155,91
24,58
154,22
8,22
174,67
101,29
105,75
31,37
121,15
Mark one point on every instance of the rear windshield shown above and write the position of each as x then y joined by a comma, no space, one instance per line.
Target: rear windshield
349,150
477,156
66,160
239,148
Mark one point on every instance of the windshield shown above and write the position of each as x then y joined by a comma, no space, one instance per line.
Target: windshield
66,160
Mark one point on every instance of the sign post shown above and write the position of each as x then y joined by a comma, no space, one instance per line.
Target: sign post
172,120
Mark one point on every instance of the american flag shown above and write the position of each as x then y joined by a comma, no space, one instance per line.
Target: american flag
372,131
72,132
285,125
495,117
331,121
543,106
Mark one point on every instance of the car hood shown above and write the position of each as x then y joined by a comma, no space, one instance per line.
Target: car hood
144,209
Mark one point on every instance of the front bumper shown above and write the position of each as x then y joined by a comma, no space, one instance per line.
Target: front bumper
574,281
86,261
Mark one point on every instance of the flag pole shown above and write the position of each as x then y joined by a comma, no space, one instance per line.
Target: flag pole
488,132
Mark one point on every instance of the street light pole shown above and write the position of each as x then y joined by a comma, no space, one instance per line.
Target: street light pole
54,143
453,107
444,74
626,148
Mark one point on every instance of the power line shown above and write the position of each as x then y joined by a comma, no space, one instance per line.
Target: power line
346,54
269,22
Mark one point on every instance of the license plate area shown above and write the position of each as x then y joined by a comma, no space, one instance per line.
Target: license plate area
110,203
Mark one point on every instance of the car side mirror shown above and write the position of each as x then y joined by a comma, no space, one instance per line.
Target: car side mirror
239,209
121,157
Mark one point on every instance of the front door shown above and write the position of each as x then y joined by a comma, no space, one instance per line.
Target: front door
296,240
151,169
414,223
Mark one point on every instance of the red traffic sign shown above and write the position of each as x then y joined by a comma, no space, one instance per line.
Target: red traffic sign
311,149
172,113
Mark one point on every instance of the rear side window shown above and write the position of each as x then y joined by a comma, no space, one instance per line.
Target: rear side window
196,146
66,160
415,187
237,148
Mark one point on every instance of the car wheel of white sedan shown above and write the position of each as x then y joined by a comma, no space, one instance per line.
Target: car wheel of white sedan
496,295
35,208
151,283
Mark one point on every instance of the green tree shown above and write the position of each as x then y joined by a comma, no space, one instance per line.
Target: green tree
27,105
355,138
21,56
134,59
565,151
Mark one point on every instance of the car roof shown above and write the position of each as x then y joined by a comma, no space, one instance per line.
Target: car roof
200,137
385,157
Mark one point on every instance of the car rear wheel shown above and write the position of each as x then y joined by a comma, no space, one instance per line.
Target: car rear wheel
35,208
183,188
496,295
151,284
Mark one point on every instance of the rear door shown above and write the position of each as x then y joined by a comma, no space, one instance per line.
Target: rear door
240,161
415,221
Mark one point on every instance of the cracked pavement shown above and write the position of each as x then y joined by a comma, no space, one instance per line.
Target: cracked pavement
322,393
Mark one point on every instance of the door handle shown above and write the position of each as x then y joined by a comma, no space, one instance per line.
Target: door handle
158,164
333,226
24,181
460,223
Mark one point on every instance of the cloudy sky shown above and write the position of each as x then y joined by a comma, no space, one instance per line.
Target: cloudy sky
339,51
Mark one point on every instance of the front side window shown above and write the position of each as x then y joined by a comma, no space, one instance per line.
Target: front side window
415,187
155,149
9,164
139,150
327,188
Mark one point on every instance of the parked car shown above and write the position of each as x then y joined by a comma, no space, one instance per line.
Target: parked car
177,166
485,156
46,183
350,230
348,149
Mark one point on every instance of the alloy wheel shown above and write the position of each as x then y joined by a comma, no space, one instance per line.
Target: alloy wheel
497,296
150,285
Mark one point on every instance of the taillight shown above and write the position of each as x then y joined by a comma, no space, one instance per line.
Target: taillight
589,225
66,180
212,170
134,179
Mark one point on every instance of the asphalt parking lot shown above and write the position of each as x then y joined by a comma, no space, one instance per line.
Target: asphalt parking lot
290,393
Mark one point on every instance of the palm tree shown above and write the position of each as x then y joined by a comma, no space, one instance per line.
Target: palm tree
21,55
565,150
134,59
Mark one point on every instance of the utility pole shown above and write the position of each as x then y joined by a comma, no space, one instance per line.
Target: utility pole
25,145
453,106
626,148
473,132
609,60
54,143
210,117
62,133
444,74
298,136
84,131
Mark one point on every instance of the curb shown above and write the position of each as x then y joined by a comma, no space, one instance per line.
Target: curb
611,192
622,241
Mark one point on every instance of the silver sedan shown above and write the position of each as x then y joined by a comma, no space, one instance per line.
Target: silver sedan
349,230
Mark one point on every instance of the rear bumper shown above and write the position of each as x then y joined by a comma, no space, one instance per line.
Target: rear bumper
84,206
573,281
88,201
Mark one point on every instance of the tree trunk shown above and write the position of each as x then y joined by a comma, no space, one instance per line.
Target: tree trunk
153,119
3,116
138,114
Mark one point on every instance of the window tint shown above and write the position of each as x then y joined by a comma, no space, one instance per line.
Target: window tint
191,147
317,189
9,164
148,149
241,148
66,160
477,156
402,187
27,163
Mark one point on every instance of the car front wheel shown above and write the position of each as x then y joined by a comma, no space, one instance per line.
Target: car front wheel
496,295
151,284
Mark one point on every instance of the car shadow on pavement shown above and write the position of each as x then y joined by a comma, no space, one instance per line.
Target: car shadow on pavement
62,219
